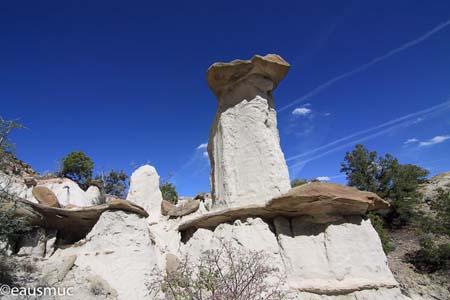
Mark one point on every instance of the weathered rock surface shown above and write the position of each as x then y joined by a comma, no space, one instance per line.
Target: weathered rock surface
94,194
179,210
119,250
33,243
67,192
319,202
72,223
430,190
342,260
45,196
144,191
247,164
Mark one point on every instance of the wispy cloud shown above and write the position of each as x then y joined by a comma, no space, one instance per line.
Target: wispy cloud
323,178
365,134
301,111
202,146
436,140
356,136
410,141
205,154
365,66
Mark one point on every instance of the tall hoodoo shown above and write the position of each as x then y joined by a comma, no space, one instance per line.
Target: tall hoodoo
247,164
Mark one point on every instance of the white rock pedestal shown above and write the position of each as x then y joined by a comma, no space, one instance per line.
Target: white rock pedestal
247,164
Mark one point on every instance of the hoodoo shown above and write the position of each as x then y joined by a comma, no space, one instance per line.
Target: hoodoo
247,164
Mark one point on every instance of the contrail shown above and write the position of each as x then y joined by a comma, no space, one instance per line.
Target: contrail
346,145
368,65
443,105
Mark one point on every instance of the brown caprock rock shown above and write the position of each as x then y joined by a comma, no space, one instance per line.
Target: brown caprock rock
318,202
72,224
45,196
180,210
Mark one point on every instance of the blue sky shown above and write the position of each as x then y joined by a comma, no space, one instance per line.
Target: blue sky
124,81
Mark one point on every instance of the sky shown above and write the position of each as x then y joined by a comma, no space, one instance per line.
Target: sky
124,81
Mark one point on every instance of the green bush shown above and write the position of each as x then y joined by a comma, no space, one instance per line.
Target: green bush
389,179
169,192
297,182
378,223
10,226
78,167
431,257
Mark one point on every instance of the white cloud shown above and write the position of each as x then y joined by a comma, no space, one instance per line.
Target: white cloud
410,141
202,146
301,111
327,114
436,140
205,154
323,178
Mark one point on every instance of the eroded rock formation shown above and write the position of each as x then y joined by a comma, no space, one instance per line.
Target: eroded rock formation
247,164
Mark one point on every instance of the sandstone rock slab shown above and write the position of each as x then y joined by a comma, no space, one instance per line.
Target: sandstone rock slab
179,210
45,196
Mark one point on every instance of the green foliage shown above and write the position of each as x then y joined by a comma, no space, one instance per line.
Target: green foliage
297,182
78,167
169,192
378,223
441,206
6,146
114,182
432,256
10,226
361,168
388,178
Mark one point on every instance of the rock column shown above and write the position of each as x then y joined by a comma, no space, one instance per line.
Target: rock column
247,164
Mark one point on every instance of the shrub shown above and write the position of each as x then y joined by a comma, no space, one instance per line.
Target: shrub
226,273
114,182
378,223
169,192
431,257
388,178
297,182
10,226
78,167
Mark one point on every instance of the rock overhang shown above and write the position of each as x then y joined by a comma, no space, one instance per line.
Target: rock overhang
318,202
221,76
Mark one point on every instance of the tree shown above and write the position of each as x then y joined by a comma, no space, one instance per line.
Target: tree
169,192
388,178
114,182
78,167
360,168
10,226
297,182
6,146
223,274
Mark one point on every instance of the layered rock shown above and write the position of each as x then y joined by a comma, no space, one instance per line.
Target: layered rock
72,224
144,191
179,210
317,202
247,164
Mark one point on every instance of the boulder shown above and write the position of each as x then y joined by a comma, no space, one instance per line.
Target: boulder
179,210
318,202
30,181
45,196
144,191
247,164
55,270
94,194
